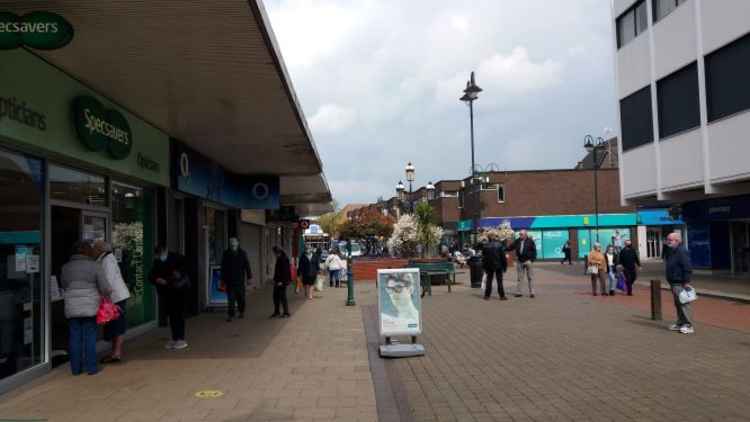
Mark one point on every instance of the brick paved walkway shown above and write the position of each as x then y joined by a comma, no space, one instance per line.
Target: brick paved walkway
313,366
567,356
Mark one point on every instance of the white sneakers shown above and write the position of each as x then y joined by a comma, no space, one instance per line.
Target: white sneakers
684,329
176,345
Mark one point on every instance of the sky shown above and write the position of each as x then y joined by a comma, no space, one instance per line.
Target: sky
380,82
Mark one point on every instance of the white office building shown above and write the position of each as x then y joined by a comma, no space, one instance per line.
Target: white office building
683,88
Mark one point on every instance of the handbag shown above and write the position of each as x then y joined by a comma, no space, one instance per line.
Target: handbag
687,295
592,269
107,311
621,284
318,283
484,282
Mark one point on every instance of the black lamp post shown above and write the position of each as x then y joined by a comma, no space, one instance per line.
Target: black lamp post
410,175
593,146
471,94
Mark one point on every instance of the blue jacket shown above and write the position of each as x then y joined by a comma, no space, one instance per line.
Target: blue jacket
678,268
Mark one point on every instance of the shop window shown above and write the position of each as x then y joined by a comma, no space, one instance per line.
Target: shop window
678,101
632,23
726,79
664,7
21,315
133,243
636,119
76,186
460,199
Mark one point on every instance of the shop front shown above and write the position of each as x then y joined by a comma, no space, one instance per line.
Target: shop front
551,232
718,233
73,166
215,198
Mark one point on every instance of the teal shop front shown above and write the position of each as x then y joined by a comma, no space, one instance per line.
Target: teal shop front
73,166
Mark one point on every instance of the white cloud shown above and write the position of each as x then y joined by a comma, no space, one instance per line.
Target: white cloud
332,118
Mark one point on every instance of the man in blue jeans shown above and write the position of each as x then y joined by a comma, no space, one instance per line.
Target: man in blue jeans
678,271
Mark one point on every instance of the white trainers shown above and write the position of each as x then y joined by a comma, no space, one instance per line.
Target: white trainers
169,345
675,327
687,329
180,344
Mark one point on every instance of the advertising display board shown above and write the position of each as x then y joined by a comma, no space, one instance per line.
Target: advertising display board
552,243
399,302
217,293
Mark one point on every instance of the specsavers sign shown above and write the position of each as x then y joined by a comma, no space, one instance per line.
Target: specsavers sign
101,129
39,30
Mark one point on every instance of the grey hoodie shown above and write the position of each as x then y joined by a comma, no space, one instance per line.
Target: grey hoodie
83,282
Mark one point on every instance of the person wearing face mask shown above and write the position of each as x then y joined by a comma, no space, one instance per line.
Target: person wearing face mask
169,275
235,269
282,277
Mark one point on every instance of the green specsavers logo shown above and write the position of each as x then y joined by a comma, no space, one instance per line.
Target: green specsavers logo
39,30
101,129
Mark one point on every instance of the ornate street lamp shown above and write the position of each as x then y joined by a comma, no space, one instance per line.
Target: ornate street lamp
430,191
410,176
593,146
471,94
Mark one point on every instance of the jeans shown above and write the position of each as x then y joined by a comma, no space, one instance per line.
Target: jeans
175,303
525,270
334,277
683,310
236,293
612,277
82,346
497,273
279,299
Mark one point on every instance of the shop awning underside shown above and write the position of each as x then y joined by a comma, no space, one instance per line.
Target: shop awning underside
205,72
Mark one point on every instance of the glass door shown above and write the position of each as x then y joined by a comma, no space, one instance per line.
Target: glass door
94,226
653,243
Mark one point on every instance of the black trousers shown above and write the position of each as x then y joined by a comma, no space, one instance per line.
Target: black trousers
236,293
630,276
568,258
279,299
498,273
174,301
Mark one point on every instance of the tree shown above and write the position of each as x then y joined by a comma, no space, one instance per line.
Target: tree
403,241
331,222
370,223
428,234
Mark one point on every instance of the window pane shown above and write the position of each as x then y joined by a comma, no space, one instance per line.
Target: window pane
641,18
636,119
21,197
663,7
626,28
726,79
76,186
678,101
501,193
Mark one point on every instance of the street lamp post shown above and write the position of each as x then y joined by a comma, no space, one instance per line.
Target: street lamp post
400,191
471,94
349,275
593,146
410,177
430,191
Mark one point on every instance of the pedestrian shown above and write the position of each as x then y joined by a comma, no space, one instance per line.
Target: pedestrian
282,278
678,272
114,330
612,259
334,265
84,284
597,267
566,253
169,275
629,260
494,264
235,273
308,271
526,255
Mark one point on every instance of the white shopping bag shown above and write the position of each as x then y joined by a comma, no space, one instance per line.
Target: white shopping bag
484,282
319,283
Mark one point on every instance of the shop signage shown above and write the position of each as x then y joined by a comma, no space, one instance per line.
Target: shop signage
101,129
39,30
147,163
198,175
17,110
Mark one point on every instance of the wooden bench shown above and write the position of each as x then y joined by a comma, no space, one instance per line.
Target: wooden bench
432,268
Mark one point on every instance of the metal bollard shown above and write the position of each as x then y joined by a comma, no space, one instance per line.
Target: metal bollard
656,300
350,277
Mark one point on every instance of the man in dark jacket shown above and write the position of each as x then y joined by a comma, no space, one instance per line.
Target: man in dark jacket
168,274
678,271
494,265
526,255
282,277
629,261
235,269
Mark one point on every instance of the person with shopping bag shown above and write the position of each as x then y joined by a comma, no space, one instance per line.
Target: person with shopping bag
678,273
114,330
334,265
597,269
85,286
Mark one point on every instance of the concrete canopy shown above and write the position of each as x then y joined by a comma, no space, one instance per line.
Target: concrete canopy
208,73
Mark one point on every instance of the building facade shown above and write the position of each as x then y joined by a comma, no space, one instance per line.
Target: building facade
683,101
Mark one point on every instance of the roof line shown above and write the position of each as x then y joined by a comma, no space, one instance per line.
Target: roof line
264,23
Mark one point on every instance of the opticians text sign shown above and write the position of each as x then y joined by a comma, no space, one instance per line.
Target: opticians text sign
39,30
